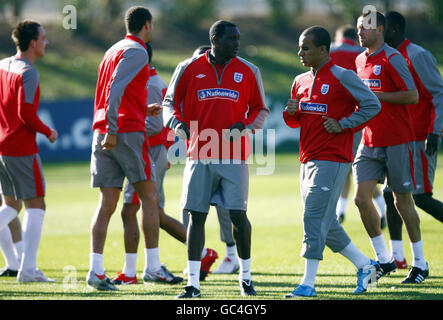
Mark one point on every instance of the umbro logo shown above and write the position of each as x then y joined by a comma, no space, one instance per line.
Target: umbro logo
201,75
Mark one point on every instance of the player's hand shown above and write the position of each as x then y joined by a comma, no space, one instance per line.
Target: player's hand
235,131
332,125
431,143
379,95
53,136
109,142
153,109
182,131
292,105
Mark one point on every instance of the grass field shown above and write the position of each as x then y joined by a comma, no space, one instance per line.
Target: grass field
275,213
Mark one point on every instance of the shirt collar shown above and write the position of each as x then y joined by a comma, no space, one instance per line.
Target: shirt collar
21,58
136,39
404,44
376,52
208,58
325,66
152,72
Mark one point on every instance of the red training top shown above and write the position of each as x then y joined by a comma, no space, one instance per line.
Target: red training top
332,92
386,71
121,93
210,99
19,100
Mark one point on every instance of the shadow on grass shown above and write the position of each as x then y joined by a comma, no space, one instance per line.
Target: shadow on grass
92,294
267,274
385,295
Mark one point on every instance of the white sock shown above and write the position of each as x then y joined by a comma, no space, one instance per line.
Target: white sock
381,204
245,269
96,263
18,249
152,259
418,255
355,256
7,213
341,205
231,251
204,251
311,267
7,248
397,250
381,249
194,273
130,267
32,232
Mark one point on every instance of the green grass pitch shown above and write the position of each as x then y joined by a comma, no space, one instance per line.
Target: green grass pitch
275,214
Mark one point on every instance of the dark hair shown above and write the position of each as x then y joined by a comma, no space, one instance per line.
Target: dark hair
135,18
348,31
24,32
396,19
321,36
381,21
149,50
219,27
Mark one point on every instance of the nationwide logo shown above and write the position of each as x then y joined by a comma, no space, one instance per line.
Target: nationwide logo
217,93
372,83
314,108
201,75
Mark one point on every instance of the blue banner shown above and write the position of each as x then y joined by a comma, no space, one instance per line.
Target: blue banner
73,122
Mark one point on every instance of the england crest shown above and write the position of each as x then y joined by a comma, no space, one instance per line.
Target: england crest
377,69
324,88
238,77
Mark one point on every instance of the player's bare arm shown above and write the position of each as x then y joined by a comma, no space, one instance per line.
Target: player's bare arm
235,131
431,144
399,97
182,131
53,136
292,105
331,125
109,142
153,109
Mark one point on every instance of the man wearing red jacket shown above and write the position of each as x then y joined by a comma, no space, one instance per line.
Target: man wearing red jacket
21,175
345,48
427,118
119,147
158,153
385,154
343,54
212,101
323,104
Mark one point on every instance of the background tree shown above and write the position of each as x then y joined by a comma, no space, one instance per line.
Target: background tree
283,12
187,14
16,7
436,10
113,9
